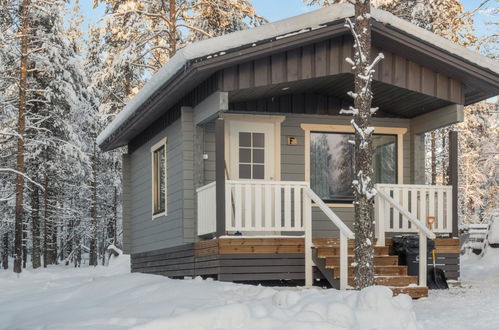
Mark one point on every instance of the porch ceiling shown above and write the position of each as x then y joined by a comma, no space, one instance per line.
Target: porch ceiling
391,100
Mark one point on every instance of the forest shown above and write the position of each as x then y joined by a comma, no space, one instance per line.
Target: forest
61,84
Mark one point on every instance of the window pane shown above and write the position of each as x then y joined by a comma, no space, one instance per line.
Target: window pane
244,171
162,179
244,155
332,163
258,140
258,172
385,158
258,156
159,177
244,139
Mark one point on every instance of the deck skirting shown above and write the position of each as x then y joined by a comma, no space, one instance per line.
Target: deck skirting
251,259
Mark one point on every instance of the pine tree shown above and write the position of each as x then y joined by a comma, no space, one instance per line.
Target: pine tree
363,185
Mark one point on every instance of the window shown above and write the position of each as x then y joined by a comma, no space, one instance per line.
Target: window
251,155
332,163
159,178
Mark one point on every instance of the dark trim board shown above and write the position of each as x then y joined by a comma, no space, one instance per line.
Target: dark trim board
255,260
181,261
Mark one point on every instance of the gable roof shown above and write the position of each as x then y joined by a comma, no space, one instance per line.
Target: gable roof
218,47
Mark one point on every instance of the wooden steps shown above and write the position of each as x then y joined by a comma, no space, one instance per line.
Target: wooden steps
391,281
378,261
415,292
393,270
323,252
386,268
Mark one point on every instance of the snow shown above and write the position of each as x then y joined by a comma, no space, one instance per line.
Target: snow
493,235
283,28
110,297
471,305
61,297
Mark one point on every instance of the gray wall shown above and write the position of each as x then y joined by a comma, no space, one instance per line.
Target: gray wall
146,234
179,226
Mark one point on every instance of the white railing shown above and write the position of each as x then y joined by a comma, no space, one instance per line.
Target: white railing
345,235
269,206
385,201
206,209
422,201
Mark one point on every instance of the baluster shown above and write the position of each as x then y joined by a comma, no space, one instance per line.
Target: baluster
238,207
439,223
448,218
248,205
258,207
297,211
277,207
267,223
287,207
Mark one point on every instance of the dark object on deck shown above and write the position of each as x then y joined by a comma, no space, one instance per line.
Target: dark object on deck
436,279
407,248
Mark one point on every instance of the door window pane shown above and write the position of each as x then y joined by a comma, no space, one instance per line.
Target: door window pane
251,155
258,140
258,172
244,155
244,139
244,171
332,163
258,156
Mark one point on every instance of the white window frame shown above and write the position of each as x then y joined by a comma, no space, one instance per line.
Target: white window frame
154,148
398,131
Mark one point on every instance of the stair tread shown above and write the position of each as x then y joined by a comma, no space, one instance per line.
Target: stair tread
413,291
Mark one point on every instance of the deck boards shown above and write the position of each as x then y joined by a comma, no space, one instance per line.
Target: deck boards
259,258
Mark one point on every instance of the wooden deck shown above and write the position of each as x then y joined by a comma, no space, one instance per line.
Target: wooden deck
259,259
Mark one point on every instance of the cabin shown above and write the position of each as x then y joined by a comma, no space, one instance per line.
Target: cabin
238,165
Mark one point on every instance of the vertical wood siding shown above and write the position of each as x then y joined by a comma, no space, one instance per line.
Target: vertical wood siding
328,58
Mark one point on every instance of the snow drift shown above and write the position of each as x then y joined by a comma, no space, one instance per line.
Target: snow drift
112,298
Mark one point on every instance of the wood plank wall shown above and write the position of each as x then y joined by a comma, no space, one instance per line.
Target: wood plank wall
326,58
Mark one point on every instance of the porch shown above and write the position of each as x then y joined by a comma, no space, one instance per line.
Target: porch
263,216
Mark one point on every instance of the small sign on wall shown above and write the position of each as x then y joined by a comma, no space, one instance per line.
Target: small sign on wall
292,141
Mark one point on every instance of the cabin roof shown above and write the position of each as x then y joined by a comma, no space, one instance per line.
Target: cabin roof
211,52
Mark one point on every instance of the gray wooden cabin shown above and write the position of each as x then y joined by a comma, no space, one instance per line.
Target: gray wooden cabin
238,134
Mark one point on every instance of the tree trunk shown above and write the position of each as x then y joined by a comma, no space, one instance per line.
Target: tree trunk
25,242
46,223
433,159
173,29
363,186
5,250
35,226
443,136
93,229
21,127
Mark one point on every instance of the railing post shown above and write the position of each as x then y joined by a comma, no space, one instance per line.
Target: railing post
220,175
343,261
423,256
307,222
380,220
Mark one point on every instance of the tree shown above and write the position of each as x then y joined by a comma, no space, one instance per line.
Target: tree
21,127
479,156
363,185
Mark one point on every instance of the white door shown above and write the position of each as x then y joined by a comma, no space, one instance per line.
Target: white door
252,151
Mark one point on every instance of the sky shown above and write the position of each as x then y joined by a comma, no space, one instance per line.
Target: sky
274,10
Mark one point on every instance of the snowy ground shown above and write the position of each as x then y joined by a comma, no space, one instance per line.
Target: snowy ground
110,298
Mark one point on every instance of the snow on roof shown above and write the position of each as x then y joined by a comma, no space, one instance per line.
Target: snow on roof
287,27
